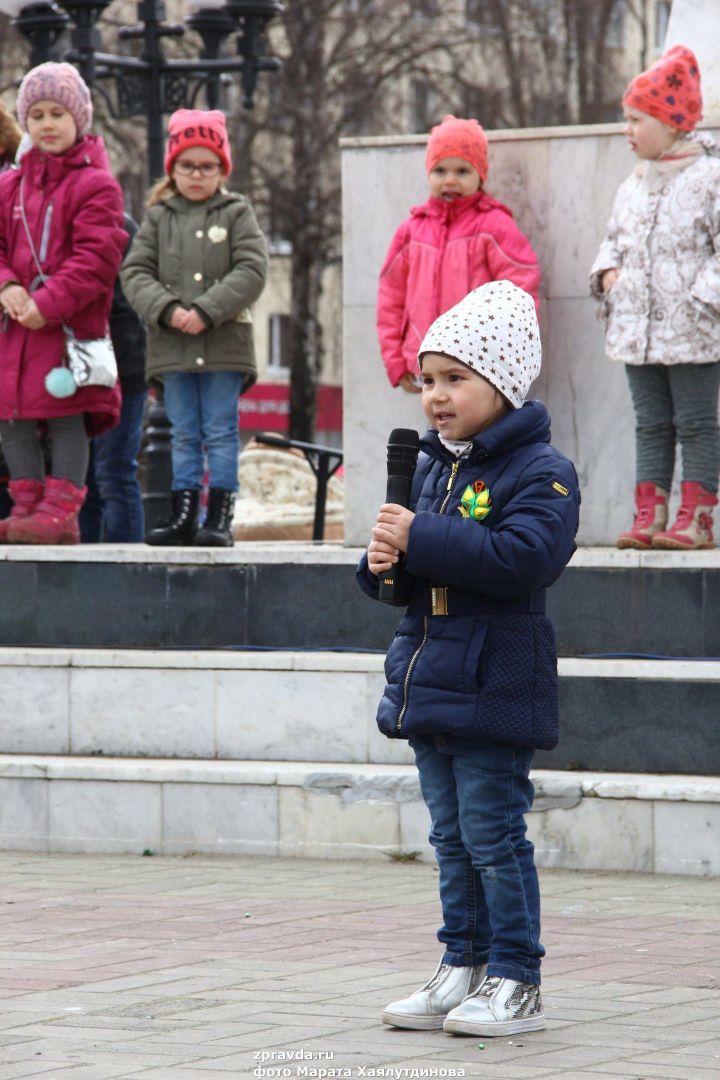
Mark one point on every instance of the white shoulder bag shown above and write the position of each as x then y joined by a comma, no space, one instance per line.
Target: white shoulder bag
92,362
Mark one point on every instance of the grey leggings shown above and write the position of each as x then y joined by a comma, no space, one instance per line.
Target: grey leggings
70,448
676,402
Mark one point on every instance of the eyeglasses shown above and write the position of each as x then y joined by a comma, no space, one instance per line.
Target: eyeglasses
207,169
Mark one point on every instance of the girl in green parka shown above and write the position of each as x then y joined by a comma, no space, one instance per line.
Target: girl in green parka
196,265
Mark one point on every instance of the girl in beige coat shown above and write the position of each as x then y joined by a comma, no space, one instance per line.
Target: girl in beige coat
658,277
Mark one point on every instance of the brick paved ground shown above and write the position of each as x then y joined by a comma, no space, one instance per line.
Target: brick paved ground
191,969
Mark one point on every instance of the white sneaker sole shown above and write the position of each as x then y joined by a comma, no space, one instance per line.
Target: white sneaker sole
500,1027
414,1023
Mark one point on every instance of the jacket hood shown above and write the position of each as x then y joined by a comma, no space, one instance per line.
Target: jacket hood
709,144
88,150
530,424
435,207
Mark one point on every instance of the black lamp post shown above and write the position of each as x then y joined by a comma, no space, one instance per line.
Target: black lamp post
42,25
150,85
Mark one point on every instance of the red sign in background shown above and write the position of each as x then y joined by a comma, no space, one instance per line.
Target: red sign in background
267,408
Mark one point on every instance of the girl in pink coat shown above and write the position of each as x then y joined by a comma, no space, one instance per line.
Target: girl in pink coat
459,239
61,206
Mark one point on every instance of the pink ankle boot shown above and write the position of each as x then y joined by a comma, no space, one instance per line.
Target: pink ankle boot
693,526
25,494
55,519
651,515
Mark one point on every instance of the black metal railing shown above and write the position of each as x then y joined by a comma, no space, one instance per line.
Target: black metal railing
319,458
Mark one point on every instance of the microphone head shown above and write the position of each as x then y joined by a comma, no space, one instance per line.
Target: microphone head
402,451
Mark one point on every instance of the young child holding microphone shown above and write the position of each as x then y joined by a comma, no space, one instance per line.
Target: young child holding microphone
472,672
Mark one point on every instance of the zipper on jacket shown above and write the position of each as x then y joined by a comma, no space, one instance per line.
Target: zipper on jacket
437,285
651,302
426,622
451,481
408,673
45,238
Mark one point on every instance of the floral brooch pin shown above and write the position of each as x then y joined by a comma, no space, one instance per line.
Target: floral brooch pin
475,502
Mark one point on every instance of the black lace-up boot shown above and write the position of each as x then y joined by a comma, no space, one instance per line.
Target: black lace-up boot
179,529
217,527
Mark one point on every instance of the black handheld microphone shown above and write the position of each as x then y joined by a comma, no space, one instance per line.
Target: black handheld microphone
402,455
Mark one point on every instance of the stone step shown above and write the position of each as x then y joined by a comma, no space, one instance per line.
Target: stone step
294,595
616,715
589,821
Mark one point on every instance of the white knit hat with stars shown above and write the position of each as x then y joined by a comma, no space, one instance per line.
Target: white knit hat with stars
494,330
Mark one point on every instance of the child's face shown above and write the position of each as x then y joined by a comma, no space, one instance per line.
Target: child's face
197,174
51,127
452,178
648,137
457,401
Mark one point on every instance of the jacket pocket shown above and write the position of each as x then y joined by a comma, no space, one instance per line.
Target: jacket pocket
628,312
452,658
704,292
517,702
509,669
704,318
508,673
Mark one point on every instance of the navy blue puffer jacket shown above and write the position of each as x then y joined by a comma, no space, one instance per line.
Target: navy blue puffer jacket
487,670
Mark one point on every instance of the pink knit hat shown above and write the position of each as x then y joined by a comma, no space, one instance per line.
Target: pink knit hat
197,127
458,138
56,82
669,90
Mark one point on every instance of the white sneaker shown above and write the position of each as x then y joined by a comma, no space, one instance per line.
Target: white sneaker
427,1007
498,1007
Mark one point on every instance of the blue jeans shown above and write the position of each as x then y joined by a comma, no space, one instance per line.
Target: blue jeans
203,411
477,798
113,510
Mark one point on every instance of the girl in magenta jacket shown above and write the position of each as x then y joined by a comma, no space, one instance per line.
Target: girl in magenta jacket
62,202
459,239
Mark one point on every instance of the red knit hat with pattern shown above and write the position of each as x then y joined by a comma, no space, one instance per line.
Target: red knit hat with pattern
188,128
458,138
669,90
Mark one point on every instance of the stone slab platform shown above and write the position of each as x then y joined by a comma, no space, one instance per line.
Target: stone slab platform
598,821
320,706
293,595
212,968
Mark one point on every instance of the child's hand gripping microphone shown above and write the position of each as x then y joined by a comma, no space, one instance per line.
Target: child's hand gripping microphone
402,455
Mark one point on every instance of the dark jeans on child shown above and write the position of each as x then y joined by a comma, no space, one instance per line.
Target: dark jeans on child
70,448
203,412
477,798
676,402
113,509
